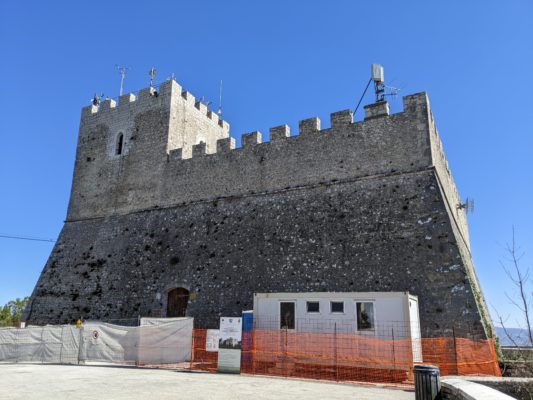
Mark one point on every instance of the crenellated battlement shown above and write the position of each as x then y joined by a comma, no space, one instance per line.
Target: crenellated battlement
339,120
178,151
149,98
174,150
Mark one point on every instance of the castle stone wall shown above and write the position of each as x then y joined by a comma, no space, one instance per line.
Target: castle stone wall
154,127
151,176
359,206
388,233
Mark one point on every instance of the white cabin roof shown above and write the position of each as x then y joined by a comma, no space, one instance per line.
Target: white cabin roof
334,295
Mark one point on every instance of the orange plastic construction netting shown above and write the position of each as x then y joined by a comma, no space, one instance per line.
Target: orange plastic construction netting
460,356
349,357
201,359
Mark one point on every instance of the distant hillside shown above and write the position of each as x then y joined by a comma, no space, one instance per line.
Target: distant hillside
519,336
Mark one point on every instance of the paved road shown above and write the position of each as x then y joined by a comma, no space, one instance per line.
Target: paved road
62,382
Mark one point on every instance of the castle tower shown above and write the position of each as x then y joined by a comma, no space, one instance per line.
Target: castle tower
167,217
123,149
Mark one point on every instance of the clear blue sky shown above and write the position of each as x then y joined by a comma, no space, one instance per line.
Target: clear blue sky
280,61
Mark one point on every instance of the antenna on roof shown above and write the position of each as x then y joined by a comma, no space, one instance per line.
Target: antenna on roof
378,76
122,71
97,99
468,206
219,112
152,73
153,92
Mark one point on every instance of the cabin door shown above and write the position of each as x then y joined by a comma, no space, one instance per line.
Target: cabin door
287,314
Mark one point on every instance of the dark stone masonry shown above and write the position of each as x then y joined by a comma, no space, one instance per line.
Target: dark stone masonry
161,199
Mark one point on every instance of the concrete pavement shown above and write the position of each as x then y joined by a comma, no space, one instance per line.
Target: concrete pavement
65,382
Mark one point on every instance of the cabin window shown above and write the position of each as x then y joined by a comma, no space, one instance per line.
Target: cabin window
286,315
120,144
365,316
337,306
313,306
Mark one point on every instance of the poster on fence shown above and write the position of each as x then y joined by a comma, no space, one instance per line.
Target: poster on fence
229,345
211,340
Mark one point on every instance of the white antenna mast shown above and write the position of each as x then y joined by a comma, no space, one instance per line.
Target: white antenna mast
152,73
377,75
122,71
219,112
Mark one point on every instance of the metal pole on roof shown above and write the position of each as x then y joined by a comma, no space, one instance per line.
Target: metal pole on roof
122,71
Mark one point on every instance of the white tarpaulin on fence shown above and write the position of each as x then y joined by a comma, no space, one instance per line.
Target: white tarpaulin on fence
47,344
145,321
165,343
159,342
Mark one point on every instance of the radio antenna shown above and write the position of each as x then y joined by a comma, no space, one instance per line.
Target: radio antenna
467,206
378,76
219,112
152,73
122,71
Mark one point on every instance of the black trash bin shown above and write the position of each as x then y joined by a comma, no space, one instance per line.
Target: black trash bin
427,382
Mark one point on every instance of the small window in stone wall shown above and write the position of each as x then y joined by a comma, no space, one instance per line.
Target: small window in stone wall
313,306
120,144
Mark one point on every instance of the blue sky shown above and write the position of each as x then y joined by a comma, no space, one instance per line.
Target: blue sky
280,62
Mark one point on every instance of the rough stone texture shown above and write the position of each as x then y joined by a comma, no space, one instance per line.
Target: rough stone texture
376,110
251,139
309,126
279,132
154,128
365,206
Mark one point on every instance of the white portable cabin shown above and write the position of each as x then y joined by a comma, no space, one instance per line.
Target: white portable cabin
383,315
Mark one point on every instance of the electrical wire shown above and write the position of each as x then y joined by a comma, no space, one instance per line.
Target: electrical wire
26,238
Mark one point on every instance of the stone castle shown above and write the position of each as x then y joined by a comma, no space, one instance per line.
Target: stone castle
167,218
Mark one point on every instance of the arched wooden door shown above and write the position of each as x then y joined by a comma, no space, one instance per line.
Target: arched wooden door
177,302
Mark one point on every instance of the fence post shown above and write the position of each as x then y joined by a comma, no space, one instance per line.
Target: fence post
80,343
61,344
139,344
285,355
42,344
393,355
455,351
335,352
193,341
253,350
17,345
